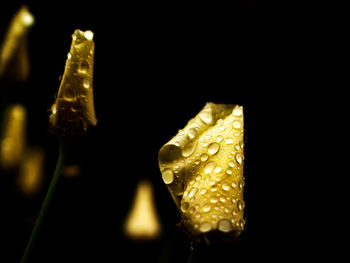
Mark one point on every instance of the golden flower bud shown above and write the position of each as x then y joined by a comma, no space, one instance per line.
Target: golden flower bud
12,144
142,221
202,167
73,110
14,62
30,176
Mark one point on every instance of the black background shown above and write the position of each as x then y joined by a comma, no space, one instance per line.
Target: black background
156,65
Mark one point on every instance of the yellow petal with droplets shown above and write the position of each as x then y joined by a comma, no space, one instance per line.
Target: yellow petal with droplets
202,167
73,110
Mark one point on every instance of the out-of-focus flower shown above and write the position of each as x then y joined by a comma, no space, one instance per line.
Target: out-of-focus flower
13,141
14,62
30,176
73,110
71,171
202,167
142,221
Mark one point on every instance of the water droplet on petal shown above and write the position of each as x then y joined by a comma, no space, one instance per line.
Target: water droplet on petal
192,133
184,206
189,148
209,167
205,227
219,138
217,169
239,158
68,94
237,111
84,67
237,124
240,205
226,186
193,192
204,157
86,83
206,208
229,141
168,176
224,225
69,55
206,117
213,148
88,35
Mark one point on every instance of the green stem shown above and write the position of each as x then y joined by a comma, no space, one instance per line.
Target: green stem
191,258
45,204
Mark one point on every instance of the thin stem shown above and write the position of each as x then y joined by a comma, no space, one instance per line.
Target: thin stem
191,258
45,204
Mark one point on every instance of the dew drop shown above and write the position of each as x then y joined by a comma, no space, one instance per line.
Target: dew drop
224,225
209,167
213,199
219,138
206,117
189,148
193,192
234,185
205,227
237,147
229,141
192,133
229,171
240,205
231,164
184,206
84,67
168,176
241,184
204,157
237,124
226,186
217,169
86,83
241,223
239,158
69,55
206,208
237,111
213,148
68,93
88,35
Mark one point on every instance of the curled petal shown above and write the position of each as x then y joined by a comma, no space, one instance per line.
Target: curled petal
73,110
202,167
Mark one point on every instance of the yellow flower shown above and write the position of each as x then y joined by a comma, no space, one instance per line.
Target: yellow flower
14,62
13,141
202,167
73,110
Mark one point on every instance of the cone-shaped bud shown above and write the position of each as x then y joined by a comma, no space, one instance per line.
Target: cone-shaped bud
202,167
14,62
73,110
13,140
30,176
142,221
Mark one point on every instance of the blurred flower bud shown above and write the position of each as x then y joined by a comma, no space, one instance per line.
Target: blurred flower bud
13,140
202,167
30,176
14,62
73,110
142,221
